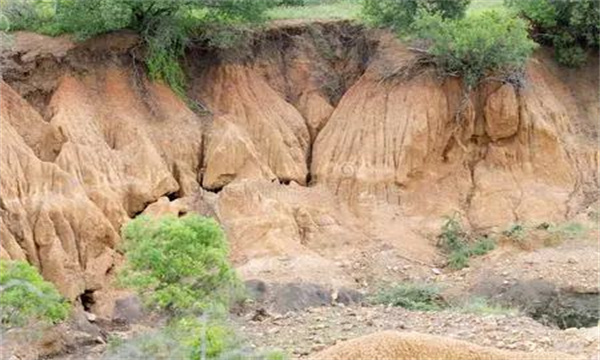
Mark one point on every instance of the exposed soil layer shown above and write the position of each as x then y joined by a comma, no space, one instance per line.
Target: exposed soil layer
323,165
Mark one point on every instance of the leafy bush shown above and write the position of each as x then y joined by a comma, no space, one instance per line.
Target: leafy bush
476,46
400,14
412,296
457,243
195,335
571,26
179,264
25,297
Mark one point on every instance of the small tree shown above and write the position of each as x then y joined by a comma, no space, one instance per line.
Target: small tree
570,26
400,14
178,264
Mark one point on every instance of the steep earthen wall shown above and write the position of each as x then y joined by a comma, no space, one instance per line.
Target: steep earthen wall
314,151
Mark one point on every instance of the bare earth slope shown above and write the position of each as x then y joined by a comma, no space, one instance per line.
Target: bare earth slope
315,161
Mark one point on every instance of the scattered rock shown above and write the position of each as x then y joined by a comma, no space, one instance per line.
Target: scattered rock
90,317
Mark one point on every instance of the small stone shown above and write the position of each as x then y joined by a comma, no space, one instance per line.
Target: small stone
90,317
318,347
436,271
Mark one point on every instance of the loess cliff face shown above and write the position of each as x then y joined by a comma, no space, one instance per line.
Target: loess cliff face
316,150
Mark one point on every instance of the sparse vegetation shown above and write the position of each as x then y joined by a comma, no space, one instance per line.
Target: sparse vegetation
189,338
179,264
26,298
412,296
570,26
482,306
568,230
427,297
182,339
457,243
544,234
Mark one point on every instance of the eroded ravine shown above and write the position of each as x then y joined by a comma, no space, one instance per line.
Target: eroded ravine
307,154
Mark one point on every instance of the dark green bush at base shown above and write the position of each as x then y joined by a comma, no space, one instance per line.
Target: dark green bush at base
26,297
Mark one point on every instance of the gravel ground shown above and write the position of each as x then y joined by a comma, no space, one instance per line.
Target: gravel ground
303,333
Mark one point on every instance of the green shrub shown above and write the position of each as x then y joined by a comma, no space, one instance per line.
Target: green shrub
195,335
568,230
457,243
453,237
166,43
400,14
490,42
571,26
179,264
412,296
25,297
482,246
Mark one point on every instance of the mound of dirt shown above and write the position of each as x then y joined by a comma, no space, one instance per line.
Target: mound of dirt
415,346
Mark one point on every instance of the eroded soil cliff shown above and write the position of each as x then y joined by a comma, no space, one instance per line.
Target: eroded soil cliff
326,146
